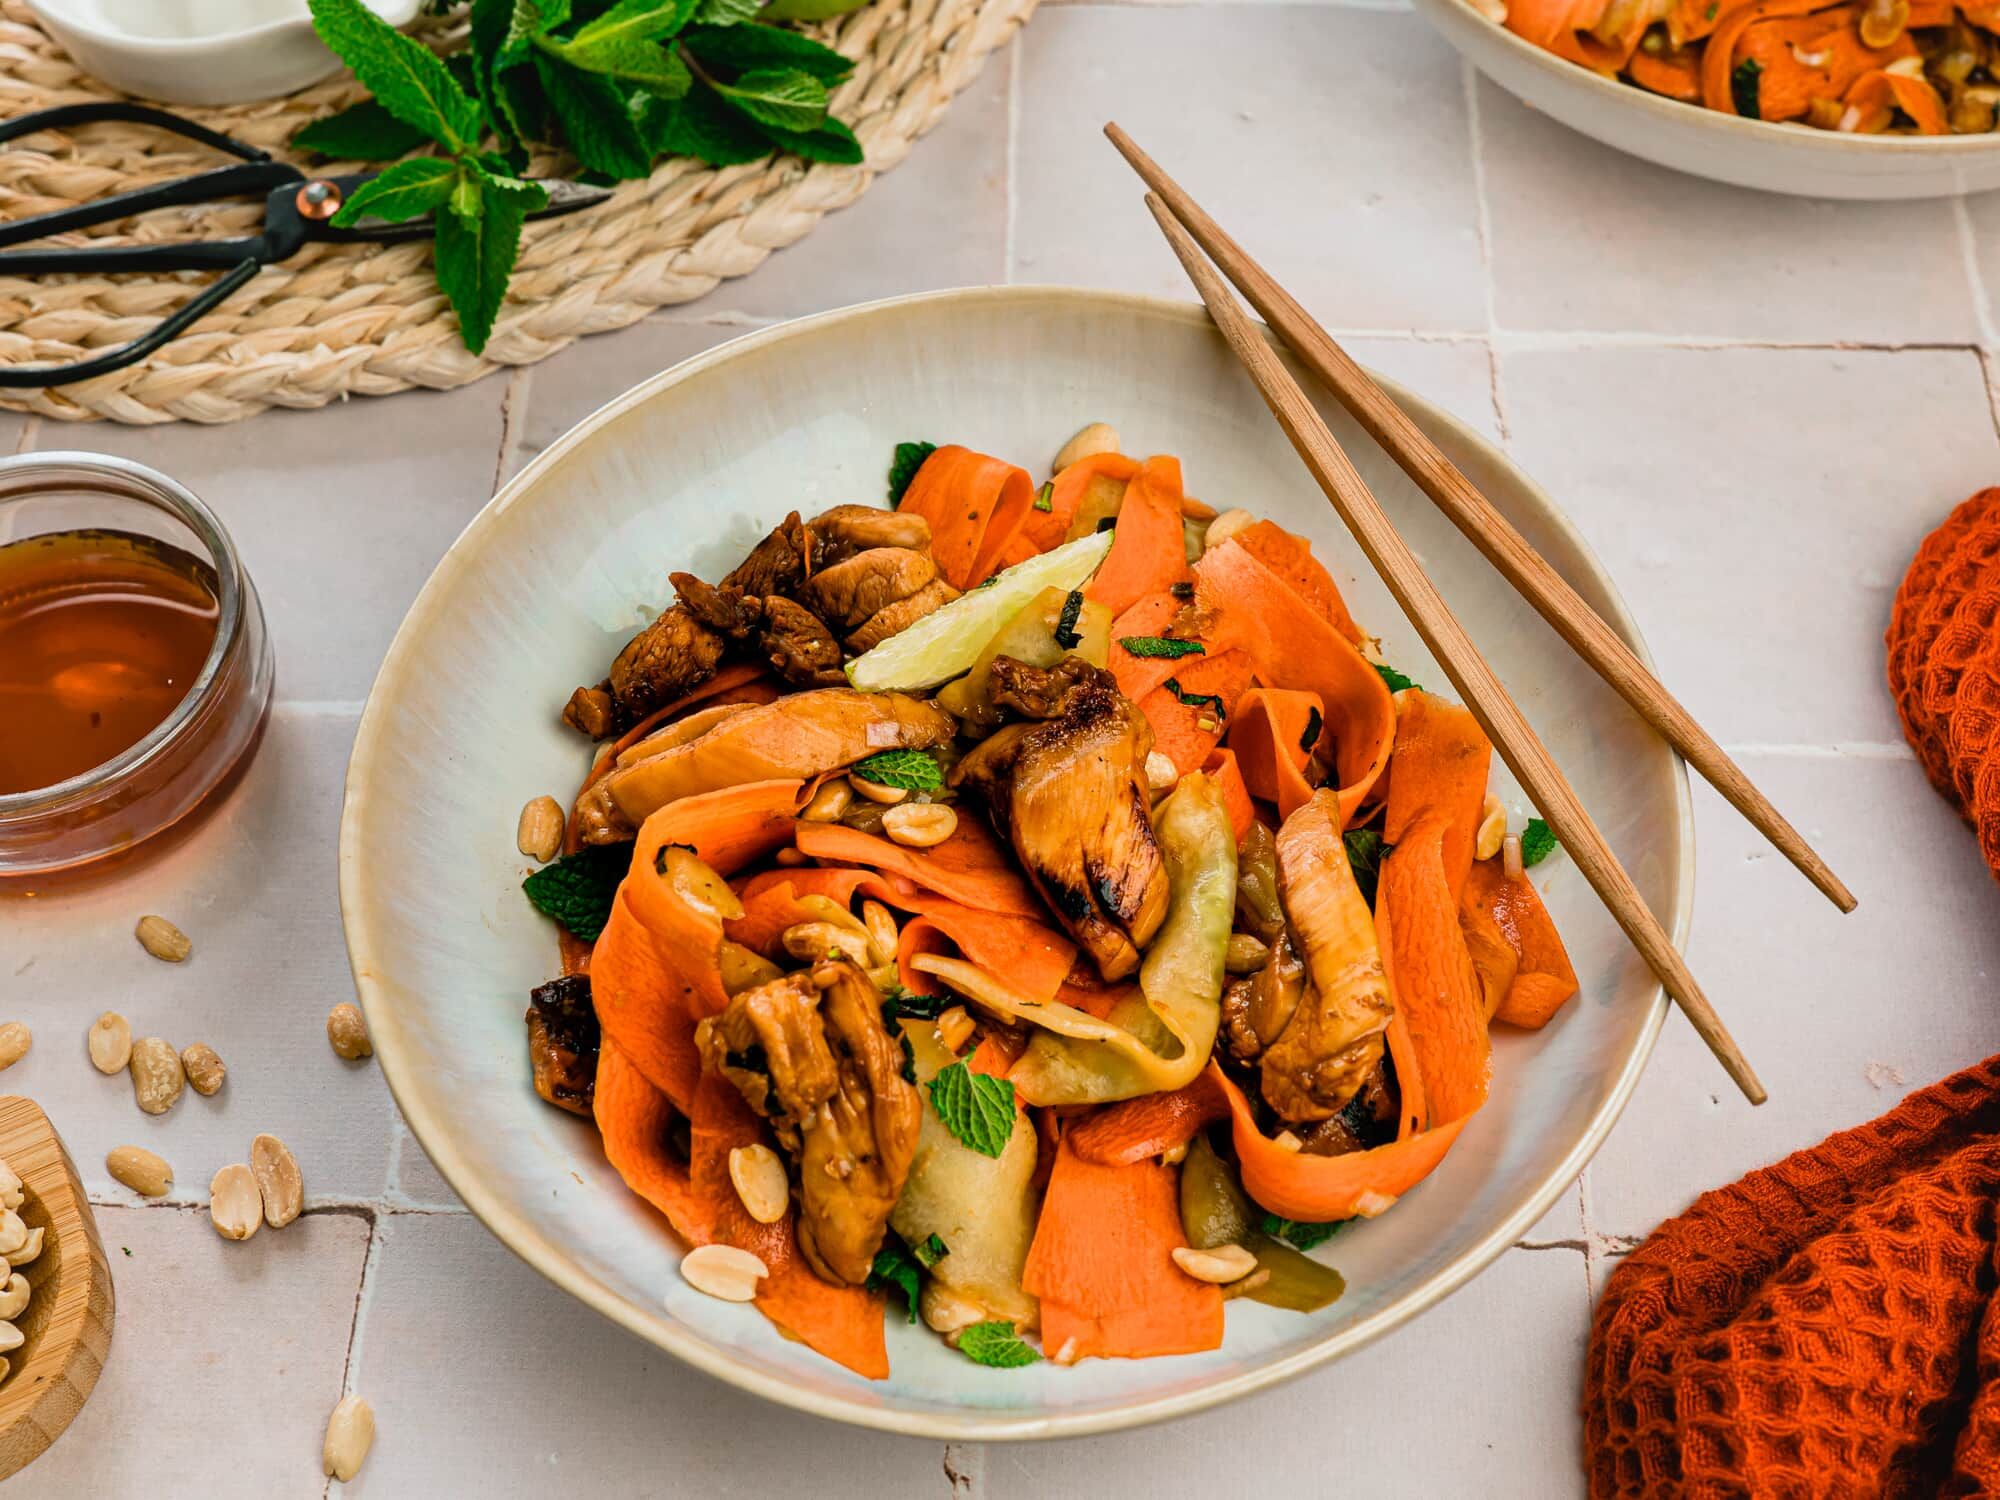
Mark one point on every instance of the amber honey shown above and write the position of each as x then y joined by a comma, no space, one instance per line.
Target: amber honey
102,633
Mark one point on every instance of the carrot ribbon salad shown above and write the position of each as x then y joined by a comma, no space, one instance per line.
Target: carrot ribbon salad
1025,911
1899,67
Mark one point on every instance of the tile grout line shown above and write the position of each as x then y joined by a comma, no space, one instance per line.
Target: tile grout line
1483,225
513,414
1968,249
965,1469
363,1292
31,433
1012,157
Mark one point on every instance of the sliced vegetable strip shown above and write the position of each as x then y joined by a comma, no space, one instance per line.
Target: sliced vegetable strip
1102,1265
1443,759
975,504
1268,738
1543,979
970,867
1222,769
1291,559
1148,554
1191,711
1049,528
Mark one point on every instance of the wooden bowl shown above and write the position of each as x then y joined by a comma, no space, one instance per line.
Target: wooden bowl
67,1326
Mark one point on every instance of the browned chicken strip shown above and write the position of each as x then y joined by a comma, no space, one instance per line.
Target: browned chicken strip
801,734
727,611
846,594
847,529
563,1040
776,565
894,618
810,1053
1070,795
802,650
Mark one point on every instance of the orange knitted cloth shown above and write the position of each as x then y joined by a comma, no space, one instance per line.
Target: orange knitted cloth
1944,662
1822,1329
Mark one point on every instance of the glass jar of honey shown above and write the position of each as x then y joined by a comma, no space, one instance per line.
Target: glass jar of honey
135,669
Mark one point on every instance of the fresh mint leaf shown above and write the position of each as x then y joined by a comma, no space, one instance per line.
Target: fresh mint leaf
725,12
361,132
1067,637
977,1108
576,891
739,49
1744,88
406,77
1365,852
831,141
636,21
903,468
1396,680
1538,842
421,185
1314,724
787,98
1160,645
896,1269
647,65
529,21
912,770
476,251
703,127
594,120
1196,700
1301,1236
995,1345
931,1251
899,1004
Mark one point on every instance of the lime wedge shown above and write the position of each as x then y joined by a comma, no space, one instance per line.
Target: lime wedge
948,640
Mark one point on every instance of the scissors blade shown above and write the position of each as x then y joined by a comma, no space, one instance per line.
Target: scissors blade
565,197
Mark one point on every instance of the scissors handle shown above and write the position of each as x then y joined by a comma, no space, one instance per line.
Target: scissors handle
96,111
169,327
218,182
188,255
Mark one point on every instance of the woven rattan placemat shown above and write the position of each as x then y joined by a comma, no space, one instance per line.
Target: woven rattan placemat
369,320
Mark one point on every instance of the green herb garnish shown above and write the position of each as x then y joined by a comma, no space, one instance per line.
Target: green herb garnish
911,770
576,890
1301,1236
1160,645
903,467
976,1108
1045,497
1066,632
1396,680
931,1251
1314,723
1743,88
896,1269
1366,850
615,85
1195,700
899,1004
1537,842
1710,13
996,1345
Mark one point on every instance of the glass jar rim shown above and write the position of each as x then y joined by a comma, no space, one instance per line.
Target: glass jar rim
64,468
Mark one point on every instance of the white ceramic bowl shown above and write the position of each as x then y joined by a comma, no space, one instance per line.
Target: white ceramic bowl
1749,153
200,51
688,470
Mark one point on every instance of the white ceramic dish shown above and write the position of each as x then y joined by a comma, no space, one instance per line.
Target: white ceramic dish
200,51
688,470
1748,153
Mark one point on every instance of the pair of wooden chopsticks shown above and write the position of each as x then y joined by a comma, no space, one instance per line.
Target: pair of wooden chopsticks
1185,223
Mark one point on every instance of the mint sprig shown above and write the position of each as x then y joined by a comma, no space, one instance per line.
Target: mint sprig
1396,680
1538,842
577,890
615,85
908,770
903,468
995,1345
1299,1235
977,1108
1161,646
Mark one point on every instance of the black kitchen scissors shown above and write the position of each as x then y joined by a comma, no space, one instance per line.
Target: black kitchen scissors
296,212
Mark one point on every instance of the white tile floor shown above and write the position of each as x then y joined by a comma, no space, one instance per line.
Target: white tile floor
1752,406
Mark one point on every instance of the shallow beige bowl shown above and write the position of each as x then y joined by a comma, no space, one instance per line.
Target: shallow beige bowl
687,470
1725,148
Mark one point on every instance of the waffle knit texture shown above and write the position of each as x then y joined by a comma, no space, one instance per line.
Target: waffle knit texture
1822,1329
1943,646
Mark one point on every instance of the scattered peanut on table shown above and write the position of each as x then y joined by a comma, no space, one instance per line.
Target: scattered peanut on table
15,1040
204,1069
110,1042
157,1077
163,940
347,1032
140,1170
350,1433
235,1205
278,1181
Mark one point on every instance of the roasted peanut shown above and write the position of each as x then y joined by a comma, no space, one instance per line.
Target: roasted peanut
539,833
828,803
955,1027
110,1042
235,1206
15,1040
874,791
350,1433
1098,437
278,1182
761,1184
881,927
163,940
920,825
29,1248
723,1271
1161,772
203,1068
1219,1266
813,940
1225,526
157,1078
140,1170
347,1032
1492,828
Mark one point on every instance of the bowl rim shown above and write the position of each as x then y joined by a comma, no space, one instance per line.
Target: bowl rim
1772,132
656,1327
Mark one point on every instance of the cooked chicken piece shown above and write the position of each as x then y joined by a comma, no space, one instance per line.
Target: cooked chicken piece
802,734
667,660
894,618
802,650
1334,1039
687,728
1365,1121
810,1053
598,820
847,529
847,593
562,1043
727,611
1257,1009
1070,794
591,711
769,1042
776,565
